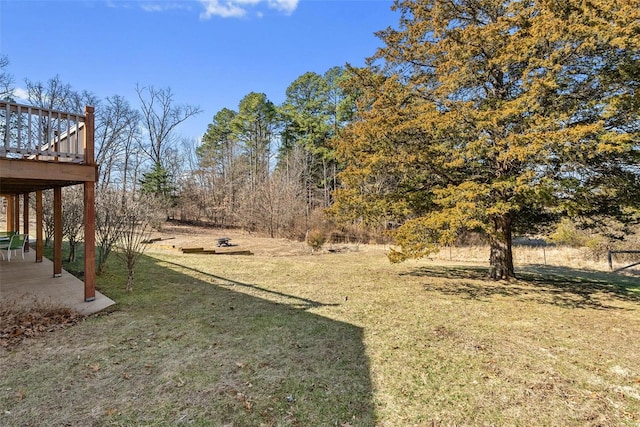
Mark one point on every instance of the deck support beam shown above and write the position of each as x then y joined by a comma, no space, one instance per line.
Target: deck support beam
10,212
39,221
16,214
57,232
89,208
25,218
89,242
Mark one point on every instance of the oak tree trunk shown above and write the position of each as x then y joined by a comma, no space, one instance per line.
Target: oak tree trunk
501,256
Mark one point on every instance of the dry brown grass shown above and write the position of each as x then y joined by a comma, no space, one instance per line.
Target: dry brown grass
560,256
289,338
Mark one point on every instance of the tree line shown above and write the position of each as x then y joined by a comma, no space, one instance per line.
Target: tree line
271,168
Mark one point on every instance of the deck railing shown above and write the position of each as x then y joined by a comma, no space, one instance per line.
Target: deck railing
29,132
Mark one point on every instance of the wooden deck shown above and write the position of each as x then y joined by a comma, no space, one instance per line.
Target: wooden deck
44,149
25,280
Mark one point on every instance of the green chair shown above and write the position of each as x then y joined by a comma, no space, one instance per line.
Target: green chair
17,242
7,234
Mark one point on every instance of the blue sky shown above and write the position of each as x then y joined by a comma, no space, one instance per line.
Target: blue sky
211,53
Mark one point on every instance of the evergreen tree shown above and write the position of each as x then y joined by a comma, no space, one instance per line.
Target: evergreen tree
494,115
159,183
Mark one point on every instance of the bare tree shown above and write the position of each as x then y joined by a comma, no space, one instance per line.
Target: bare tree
279,203
160,117
6,79
137,218
191,197
109,219
116,126
133,160
53,95
72,218
79,99
47,215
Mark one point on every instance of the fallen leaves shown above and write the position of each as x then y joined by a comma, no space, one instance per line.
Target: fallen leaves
19,322
241,397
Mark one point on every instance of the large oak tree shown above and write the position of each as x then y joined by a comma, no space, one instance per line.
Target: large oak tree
495,115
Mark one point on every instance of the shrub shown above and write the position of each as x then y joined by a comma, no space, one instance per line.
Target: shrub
315,239
567,234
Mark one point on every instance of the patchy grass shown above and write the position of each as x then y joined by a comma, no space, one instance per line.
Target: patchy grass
336,339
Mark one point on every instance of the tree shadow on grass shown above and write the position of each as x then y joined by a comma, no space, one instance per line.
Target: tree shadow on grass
291,300
562,286
181,349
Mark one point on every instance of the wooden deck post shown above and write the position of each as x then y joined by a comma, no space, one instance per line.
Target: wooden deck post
89,211
10,212
89,242
16,214
25,218
39,221
57,232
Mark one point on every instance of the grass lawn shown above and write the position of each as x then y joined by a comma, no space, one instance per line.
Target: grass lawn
343,339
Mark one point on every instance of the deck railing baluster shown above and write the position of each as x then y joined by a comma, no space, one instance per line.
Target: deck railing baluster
48,137
19,128
40,133
7,122
29,129
79,146
57,148
76,133
39,146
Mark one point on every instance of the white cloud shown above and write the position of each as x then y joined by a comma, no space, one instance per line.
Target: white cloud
20,94
221,8
287,6
239,8
151,5
227,10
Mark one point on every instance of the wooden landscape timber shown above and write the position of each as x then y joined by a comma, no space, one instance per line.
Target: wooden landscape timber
213,251
191,250
157,239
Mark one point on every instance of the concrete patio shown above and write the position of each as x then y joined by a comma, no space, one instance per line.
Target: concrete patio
24,280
